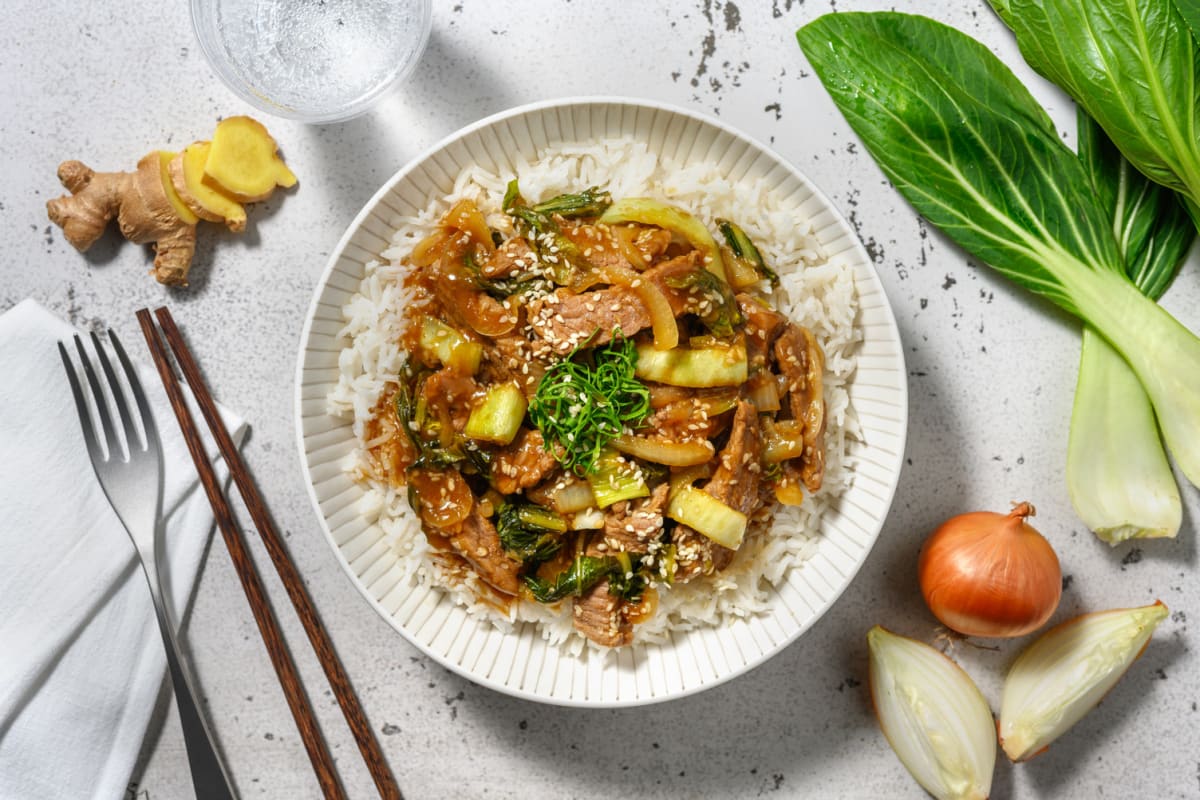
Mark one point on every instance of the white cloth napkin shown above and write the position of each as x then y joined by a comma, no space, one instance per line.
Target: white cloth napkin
81,660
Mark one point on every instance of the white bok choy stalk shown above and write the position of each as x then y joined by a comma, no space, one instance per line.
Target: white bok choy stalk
1067,671
967,144
1118,476
933,716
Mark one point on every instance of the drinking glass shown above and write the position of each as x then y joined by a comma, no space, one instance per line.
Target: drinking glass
312,60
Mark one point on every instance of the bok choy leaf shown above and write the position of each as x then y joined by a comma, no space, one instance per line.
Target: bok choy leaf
1133,66
1190,11
970,148
1117,473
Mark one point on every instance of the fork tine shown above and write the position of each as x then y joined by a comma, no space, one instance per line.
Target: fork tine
135,386
110,432
81,406
131,434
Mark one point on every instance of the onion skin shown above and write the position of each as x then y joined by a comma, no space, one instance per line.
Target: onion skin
990,575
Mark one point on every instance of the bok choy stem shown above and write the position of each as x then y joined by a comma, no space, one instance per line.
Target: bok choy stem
1163,354
1117,473
1118,476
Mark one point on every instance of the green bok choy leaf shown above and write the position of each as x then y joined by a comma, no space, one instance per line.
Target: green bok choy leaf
1117,473
970,148
1190,11
1133,66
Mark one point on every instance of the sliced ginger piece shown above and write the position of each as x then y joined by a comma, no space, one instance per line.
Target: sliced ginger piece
244,161
205,201
185,213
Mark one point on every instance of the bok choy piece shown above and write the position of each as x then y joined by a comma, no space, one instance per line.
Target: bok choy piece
624,578
1133,66
966,143
1117,473
530,533
1190,11
568,264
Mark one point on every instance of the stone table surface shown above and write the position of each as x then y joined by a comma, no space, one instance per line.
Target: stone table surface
991,376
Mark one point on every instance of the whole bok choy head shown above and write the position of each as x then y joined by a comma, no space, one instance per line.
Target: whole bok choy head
966,143
1117,473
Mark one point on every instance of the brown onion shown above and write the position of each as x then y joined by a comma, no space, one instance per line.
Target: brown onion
988,574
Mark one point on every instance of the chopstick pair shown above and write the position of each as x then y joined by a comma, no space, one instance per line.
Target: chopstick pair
285,668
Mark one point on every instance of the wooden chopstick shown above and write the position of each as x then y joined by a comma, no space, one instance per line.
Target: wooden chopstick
356,719
285,668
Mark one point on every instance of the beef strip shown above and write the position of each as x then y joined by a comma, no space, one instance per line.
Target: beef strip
631,525
652,243
512,257
689,417
512,357
448,394
467,306
803,365
763,323
476,540
596,243
522,464
600,616
736,484
566,319
683,301
391,451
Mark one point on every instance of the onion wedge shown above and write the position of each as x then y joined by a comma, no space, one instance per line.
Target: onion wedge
933,716
666,451
1066,672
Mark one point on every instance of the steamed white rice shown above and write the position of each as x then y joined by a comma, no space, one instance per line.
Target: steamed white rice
813,292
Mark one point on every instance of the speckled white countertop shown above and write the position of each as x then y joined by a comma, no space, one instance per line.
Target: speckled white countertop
991,378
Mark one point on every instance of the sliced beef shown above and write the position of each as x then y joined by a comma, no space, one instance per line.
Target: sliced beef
522,464
802,364
652,243
566,319
467,306
390,451
513,357
763,323
448,394
512,257
691,416
696,554
642,245
600,616
631,525
476,540
736,484
596,243
675,271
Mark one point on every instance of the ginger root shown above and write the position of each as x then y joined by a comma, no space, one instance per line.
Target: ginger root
163,200
243,160
139,202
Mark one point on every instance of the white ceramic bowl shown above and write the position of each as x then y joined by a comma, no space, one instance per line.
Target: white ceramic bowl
522,663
